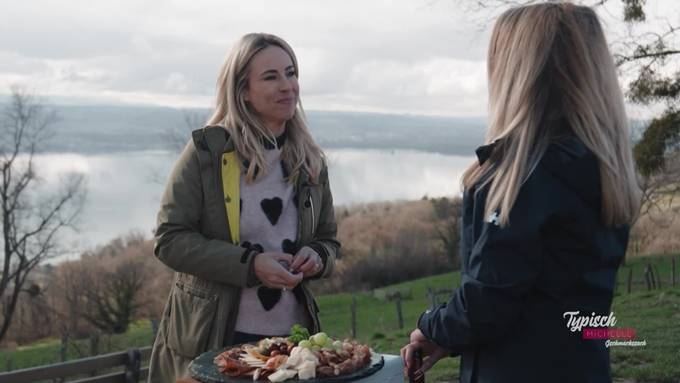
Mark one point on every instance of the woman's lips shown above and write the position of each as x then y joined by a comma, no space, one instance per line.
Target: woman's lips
286,101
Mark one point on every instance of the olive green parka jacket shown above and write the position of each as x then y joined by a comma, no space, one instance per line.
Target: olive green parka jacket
196,226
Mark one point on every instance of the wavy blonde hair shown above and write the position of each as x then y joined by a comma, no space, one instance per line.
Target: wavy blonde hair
247,129
548,62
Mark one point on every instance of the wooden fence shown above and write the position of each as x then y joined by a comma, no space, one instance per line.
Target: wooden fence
128,362
650,279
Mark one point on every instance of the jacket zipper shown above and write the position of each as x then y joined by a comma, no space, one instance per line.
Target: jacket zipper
311,204
311,305
299,223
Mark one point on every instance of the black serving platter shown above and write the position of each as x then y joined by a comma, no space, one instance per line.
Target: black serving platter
204,369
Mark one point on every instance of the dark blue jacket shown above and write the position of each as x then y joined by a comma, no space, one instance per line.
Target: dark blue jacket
506,320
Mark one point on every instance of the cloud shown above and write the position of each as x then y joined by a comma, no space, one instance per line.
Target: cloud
413,56
438,86
353,55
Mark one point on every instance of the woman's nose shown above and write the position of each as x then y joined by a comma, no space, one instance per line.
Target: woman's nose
286,84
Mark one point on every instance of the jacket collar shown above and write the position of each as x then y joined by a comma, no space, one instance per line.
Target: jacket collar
280,140
219,141
215,139
485,152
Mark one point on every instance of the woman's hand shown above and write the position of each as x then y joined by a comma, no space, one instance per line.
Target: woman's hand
430,349
270,270
307,261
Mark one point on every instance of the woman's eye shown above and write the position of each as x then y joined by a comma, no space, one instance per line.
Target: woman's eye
269,78
291,74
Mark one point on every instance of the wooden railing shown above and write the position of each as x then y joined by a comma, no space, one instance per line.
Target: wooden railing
131,360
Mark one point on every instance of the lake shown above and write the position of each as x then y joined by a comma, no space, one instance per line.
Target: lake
124,188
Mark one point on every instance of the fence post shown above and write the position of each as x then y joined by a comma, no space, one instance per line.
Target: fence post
616,282
134,361
94,347
658,276
154,328
648,280
400,316
433,297
63,351
94,343
630,279
10,364
353,308
673,271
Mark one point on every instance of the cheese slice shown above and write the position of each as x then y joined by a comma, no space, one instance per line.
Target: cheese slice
281,375
307,370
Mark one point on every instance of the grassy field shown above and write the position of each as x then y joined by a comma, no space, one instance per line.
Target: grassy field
48,351
660,263
654,314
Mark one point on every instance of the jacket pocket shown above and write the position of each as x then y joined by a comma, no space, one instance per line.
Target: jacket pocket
192,313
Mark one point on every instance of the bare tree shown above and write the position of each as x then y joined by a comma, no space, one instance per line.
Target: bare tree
32,219
116,283
112,297
177,137
67,293
447,212
31,321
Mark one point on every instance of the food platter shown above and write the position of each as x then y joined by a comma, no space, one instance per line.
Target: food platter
300,357
204,369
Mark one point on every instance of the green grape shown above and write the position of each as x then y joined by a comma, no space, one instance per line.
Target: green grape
305,344
320,339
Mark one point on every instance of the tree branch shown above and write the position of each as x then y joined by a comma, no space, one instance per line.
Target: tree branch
30,226
621,59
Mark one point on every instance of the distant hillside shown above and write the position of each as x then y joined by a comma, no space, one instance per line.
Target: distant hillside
448,135
97,129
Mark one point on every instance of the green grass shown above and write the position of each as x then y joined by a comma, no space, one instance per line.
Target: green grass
377,322
48,351
655,315
660,263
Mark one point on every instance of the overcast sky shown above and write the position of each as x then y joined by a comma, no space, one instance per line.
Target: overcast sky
409,56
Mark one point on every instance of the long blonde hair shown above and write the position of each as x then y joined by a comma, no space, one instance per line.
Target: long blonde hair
548,62
246,129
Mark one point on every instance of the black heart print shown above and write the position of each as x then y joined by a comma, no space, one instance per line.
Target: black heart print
272,209
268,297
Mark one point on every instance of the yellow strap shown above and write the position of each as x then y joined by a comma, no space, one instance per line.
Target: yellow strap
231,172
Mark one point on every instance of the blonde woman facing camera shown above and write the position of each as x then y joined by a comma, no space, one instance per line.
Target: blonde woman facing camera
246,218
546,208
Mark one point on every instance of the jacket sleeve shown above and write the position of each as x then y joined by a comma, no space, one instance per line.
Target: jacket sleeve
178,240
325,242
504,264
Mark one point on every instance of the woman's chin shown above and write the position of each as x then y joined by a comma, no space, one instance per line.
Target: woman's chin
289,115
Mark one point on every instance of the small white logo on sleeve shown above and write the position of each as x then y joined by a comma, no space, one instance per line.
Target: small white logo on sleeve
493,218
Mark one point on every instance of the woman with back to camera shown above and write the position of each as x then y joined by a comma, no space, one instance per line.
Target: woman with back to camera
246,217
546,207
